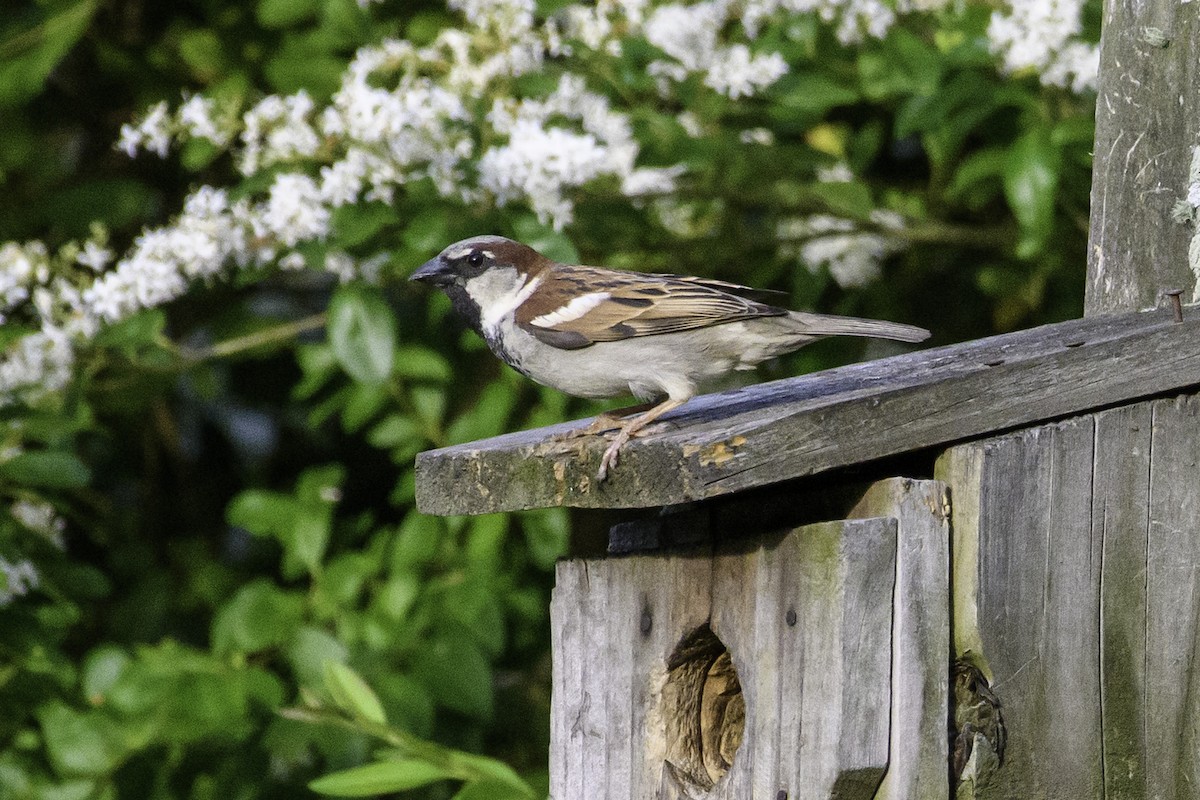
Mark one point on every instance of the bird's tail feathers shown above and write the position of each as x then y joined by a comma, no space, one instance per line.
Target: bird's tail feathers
824,325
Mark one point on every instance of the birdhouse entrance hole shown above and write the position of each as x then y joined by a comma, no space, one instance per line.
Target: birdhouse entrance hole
704,711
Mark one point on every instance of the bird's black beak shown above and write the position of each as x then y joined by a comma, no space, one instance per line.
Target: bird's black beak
432,271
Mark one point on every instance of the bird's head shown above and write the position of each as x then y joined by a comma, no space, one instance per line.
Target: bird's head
463,262
486,277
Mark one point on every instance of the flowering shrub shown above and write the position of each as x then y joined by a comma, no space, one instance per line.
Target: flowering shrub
911,159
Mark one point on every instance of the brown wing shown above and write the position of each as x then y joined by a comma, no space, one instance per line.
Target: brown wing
749,292
575,307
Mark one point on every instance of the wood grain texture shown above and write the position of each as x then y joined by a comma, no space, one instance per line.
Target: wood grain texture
806,616
1121,486
1147,125
920,635
1037,590
764,434
1077,547
1172,584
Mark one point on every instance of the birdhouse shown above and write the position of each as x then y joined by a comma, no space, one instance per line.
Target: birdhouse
969,570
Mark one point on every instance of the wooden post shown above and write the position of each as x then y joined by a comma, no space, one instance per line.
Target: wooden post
1143,236
920,636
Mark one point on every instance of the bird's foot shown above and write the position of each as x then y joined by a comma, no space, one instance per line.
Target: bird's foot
629,429
604,422
612,453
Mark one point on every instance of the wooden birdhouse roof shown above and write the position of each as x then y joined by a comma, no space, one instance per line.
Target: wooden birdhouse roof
742,439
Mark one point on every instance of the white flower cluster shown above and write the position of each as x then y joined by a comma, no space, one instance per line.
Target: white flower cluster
41,518
277,130
38,363
17,579
1043,35
448,113
853,20
689,35
21,268
541,161
854,257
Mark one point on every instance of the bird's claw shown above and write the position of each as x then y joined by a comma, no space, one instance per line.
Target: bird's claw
601,424
611,454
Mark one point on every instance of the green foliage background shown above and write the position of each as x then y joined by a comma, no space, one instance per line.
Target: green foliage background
236,469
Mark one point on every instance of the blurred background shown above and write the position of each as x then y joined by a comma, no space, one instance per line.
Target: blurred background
213,500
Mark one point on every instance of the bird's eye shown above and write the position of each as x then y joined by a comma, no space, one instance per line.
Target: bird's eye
475,259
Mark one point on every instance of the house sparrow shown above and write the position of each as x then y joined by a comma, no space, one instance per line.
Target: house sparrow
593,332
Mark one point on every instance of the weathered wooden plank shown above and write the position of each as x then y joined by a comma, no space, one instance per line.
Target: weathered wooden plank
806,616
763,434
1172,584
920,635
567,605
614,624
1147,126
812,619
1037,579
1119,514
749,619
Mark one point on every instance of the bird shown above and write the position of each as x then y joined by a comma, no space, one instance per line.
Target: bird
595,332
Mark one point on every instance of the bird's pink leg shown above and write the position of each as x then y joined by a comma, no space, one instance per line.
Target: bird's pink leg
604,421
631,427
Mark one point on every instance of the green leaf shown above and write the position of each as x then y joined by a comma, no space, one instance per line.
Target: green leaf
382,777
547,534
352,694
135,332
318,365
811,93
311,651
457,675
397,596
357,223
417,541
363,403
493,790
1030,185
393,431
101,669
79,743
285,13
490,771
848,198
304,62
47,469
427,232
362,332
488,417
429,402
407,702
29,52
975,171
262,513
309,538
257,617
202,51
474,605
543,238
421,363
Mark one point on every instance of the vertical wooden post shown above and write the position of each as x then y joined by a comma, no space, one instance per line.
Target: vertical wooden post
920,636
1147,121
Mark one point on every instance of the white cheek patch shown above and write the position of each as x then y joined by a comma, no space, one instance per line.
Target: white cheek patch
571,311
501,304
